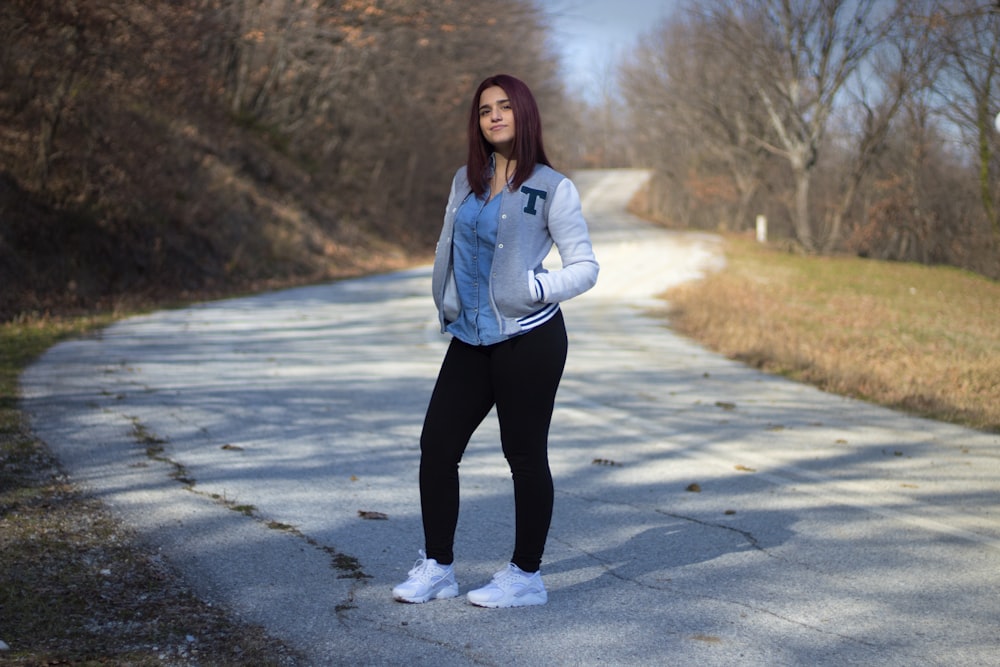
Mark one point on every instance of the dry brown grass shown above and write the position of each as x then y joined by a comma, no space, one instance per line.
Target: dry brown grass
917,338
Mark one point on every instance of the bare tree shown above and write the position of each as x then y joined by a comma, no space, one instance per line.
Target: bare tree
969,85
931,202
798,56
735,104
899,68
604,141
700,92
50,47
374,93
657,135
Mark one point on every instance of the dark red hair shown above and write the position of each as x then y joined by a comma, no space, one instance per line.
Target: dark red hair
528,148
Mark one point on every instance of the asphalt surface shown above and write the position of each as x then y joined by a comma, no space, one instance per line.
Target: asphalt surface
257,442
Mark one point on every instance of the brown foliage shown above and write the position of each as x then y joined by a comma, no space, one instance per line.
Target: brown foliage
158,150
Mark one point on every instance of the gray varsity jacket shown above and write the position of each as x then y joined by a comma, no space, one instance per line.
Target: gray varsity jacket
544,210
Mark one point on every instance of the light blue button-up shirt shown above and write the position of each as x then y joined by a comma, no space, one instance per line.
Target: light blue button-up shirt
475,241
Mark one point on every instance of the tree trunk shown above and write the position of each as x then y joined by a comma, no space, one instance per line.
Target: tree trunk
985,180
803,224
51,116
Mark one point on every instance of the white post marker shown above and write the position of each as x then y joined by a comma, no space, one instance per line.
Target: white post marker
996,122
761,229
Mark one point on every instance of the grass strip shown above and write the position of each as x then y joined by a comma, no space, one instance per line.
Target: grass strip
922,339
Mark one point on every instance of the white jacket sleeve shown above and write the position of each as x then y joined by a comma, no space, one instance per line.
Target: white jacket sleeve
568,229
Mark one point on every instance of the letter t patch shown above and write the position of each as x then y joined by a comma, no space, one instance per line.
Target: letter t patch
533,195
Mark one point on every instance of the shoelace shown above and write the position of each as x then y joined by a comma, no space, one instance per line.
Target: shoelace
422,568
508,578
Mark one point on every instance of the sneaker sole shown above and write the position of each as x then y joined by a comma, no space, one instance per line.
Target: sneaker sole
526,601
442,594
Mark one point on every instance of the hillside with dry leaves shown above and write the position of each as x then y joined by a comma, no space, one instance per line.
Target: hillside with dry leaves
158,151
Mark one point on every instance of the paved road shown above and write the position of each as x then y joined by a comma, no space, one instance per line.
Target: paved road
826,531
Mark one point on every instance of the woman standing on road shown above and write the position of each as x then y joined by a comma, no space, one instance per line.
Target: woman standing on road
506,208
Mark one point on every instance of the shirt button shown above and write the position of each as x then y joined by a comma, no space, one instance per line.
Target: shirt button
500,245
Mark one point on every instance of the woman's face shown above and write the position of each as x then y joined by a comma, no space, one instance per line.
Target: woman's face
496,118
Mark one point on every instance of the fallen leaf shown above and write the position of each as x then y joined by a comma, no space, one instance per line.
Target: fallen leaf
604,462
725,405
372,516
693,488
234,448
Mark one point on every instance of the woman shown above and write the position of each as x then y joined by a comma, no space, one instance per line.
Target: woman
506,209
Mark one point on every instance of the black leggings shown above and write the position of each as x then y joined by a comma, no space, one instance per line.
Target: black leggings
520,376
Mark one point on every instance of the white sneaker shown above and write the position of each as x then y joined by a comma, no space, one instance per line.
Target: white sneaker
428,581
511,587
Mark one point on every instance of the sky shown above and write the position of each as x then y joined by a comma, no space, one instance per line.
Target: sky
593,34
